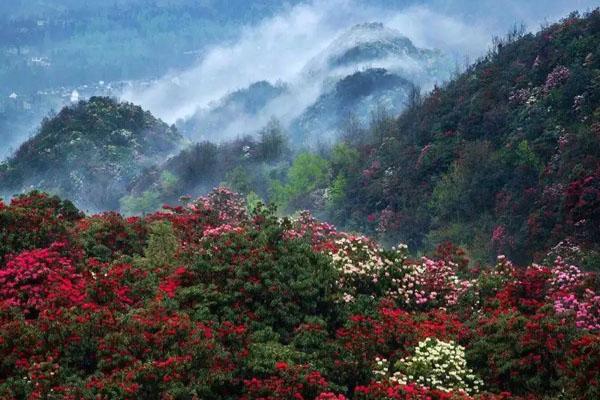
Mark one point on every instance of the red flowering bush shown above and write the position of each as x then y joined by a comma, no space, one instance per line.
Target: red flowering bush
37,279
34,220
289,382
582,369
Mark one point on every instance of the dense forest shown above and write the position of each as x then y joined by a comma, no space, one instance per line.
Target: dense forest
503,159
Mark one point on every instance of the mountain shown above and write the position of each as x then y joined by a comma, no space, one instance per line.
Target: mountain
504,159
358,96
366,68
373,45
219,120
89,152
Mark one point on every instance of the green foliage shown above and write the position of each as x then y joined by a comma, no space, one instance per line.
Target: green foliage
526,156
168,181
162,244
272,142
263,356
285,285
149,201
109,236
238,179
307,173
253,201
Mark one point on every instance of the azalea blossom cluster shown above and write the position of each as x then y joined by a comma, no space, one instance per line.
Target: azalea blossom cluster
566,278
230,206
526,96
358,256
571,295
358,260
531,95
321,234
556,77
35,278
439,365
362,263
585,310
221,230
429,283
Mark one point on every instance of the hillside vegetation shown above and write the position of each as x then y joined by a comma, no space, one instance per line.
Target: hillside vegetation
503,159
90,152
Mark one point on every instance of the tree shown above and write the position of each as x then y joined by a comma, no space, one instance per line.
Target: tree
307,173
273,143
162,244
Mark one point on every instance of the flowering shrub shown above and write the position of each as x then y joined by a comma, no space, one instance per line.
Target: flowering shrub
431,283
556,77
438,365
34,220
209,301
37,279
586,311
360,264
582,367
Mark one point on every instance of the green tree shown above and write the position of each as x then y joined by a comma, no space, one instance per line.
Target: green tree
162,244
307,173
147,202
272,144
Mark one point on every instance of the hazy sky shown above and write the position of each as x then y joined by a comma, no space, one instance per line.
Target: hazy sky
279,47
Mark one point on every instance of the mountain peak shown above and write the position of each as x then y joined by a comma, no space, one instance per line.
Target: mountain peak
90,151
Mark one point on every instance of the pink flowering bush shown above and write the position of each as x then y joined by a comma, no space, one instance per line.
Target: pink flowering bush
556,77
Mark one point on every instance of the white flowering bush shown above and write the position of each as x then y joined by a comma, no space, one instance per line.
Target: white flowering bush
356,256
368,269
429,284
365,267
437,365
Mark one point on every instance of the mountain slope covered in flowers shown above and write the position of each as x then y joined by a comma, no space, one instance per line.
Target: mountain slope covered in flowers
212,300
505,158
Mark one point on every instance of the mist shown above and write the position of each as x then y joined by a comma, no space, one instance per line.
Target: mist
280,48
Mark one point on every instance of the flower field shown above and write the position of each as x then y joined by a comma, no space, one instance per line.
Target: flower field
214,301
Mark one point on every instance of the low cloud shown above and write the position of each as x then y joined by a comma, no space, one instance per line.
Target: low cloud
276,49
280,47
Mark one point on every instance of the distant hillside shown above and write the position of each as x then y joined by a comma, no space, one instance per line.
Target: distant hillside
247,164
90,152
366,68
240,105
503,159
356,96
